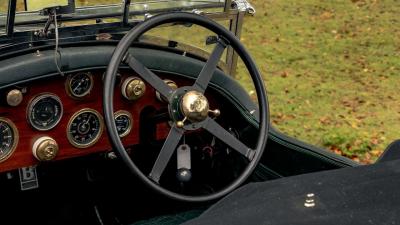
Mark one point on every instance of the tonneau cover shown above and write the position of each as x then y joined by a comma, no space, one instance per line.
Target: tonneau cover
361,195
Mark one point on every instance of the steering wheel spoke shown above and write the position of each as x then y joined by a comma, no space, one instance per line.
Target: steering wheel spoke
149,76
215,129
209,68
168,149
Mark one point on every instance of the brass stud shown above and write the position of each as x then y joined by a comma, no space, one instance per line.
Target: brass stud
180,124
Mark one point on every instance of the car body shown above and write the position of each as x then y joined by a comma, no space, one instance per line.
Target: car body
58,166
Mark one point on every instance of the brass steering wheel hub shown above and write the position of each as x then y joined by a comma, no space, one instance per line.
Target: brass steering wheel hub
194,106
189,107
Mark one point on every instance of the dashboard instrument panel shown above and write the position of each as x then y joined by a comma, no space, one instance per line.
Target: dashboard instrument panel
69,110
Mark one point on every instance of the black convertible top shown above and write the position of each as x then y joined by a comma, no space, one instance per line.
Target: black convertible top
361,195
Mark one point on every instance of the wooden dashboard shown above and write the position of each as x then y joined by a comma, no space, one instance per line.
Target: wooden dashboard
23,156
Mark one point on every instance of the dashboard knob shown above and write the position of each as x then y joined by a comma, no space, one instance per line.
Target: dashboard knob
45,149
14,97
133,88
184,175
171,84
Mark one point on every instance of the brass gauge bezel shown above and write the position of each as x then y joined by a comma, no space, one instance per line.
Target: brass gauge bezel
34,101
129,115
68,85
16,139
96,139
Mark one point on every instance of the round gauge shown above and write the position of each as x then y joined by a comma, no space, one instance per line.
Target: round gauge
80,84
123,121
8,138
45,112
85,128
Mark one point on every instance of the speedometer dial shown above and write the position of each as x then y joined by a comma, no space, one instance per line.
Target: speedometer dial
45,111
85,128
8,138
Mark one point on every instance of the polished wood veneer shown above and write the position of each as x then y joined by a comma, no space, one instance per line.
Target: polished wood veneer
23,156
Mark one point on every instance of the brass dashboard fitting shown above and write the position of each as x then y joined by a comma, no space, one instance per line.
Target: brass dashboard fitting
14,97
133,88
45,149
171,84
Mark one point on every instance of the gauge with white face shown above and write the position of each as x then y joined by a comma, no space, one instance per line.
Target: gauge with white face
85,128
80,84
8,138
45,111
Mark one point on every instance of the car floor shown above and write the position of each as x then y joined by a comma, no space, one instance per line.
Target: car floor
84,191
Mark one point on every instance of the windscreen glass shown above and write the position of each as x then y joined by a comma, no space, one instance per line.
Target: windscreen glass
108,10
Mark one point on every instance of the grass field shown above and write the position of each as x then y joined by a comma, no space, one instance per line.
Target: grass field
332,70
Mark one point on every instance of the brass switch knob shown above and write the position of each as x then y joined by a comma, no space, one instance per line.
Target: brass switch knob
14,97
133,88
45,149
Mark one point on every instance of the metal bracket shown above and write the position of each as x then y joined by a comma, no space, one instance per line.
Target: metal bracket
243,6
50,12
198,12
147,15
126,7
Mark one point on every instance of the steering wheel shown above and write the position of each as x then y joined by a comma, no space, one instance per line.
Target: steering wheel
188,107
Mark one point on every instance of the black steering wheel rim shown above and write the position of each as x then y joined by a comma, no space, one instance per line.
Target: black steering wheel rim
108,92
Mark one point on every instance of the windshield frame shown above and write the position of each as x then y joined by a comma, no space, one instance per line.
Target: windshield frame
24,33
122,11
10,17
